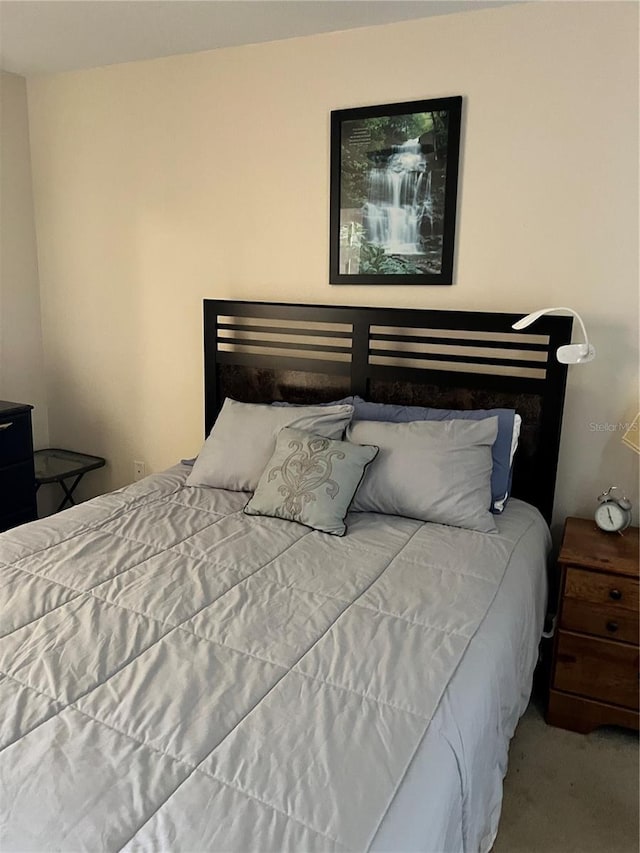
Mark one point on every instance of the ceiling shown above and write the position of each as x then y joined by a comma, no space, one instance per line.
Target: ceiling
44,36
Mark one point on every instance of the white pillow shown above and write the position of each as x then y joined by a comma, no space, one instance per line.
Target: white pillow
436,471
243,439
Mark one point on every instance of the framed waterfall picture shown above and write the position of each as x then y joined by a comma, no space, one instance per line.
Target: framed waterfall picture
394,184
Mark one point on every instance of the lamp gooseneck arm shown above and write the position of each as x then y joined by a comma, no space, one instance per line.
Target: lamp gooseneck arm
531,318
570,353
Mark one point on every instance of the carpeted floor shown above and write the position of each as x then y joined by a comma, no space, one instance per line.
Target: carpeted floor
569,793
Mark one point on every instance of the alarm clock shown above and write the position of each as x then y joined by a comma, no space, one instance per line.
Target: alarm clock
613,514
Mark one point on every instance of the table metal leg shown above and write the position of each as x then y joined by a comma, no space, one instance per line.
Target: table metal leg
68,493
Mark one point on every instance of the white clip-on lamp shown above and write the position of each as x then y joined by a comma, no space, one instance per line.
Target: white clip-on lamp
569,353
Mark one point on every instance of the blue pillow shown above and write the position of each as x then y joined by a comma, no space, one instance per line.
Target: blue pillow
501,451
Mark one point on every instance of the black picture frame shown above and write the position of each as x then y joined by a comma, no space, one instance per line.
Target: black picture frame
394,187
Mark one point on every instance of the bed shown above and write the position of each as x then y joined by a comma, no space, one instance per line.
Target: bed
176,675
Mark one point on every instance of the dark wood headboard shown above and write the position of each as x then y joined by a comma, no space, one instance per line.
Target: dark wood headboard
260,352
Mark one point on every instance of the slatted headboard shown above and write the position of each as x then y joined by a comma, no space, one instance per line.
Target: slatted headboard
264,351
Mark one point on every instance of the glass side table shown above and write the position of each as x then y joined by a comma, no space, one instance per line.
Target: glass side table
54,465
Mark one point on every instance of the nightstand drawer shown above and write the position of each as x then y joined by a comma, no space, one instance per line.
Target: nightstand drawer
15,438
16,518
604,605
18,490
616,592
597,669
600,620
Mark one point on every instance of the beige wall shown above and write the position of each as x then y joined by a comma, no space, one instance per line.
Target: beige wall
160,183
21,364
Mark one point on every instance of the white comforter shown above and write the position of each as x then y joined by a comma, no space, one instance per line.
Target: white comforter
176,676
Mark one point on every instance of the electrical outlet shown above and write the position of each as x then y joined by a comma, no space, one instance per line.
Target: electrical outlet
139,471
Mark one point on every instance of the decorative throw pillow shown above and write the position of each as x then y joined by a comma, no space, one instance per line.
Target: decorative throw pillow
430,470
311,479
244,436
502,451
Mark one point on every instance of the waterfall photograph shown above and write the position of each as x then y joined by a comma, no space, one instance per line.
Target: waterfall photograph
394,175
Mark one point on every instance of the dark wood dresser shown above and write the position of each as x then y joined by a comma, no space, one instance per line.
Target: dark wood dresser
17,477
594,672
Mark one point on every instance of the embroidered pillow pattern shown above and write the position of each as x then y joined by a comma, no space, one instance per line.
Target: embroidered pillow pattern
306,469
311,479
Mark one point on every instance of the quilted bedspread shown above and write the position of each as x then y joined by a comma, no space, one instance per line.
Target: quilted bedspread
177,676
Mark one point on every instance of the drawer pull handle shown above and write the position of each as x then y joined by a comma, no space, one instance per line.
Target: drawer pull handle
612,626
615,594
6,426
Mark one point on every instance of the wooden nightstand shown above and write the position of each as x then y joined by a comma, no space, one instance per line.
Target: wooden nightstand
594,671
